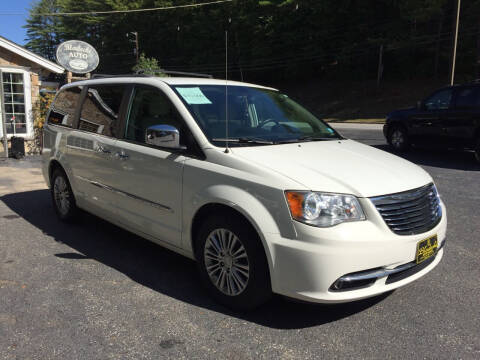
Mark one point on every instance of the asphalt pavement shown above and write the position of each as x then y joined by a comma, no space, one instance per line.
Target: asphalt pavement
90,290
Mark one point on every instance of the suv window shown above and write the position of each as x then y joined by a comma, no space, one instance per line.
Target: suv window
101,108
151,107
440,100
63,109
468,98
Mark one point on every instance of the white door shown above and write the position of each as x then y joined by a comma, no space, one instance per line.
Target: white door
149,178
91,149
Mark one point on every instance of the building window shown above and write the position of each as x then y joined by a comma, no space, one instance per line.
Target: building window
14,100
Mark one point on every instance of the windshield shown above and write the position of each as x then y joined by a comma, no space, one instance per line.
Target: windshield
255,116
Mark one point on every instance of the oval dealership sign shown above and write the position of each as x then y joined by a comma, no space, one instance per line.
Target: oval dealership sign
77,56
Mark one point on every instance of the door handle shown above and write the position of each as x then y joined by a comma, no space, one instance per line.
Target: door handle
121,155
102,149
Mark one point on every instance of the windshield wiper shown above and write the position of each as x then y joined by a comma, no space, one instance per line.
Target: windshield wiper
304,138
245,140
316,138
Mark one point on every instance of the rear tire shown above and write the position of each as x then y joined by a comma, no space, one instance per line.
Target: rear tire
232,262
62,196
398,138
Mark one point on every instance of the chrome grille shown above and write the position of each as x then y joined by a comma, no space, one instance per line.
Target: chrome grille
410,212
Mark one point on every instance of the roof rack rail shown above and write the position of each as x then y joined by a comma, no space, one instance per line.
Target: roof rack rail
101,76
169,72
141,73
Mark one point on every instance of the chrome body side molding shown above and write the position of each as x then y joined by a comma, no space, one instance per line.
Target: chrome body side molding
123,193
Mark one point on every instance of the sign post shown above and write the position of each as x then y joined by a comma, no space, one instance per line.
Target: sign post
4,123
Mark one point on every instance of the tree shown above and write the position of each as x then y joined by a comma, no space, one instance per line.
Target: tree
148,66
268,39
42,31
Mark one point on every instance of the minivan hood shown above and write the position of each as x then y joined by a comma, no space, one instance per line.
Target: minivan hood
340,166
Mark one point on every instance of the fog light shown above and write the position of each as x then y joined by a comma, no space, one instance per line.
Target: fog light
337,285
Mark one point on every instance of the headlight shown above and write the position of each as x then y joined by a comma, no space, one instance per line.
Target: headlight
323,209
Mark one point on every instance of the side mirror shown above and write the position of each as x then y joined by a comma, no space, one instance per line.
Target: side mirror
166,136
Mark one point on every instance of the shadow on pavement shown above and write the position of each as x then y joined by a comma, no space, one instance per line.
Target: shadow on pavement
159,269
441,158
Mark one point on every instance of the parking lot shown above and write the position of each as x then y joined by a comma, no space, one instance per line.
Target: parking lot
91,290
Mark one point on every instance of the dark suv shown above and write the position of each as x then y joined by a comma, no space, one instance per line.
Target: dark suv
449,117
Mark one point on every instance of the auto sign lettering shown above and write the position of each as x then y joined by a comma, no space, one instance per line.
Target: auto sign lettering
77,56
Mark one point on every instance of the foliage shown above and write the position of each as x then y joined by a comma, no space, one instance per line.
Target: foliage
42,31
270,40
40,109
148,66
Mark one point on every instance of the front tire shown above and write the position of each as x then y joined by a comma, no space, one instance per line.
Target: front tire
232,262
62,196
398,138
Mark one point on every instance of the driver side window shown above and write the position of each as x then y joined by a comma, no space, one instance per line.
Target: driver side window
440,100
150,107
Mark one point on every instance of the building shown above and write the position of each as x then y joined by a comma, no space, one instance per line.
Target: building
24,76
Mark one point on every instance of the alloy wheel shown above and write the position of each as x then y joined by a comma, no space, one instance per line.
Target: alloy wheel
397,138
226,262
61,194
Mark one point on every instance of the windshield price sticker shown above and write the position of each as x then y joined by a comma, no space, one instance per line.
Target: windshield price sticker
193,95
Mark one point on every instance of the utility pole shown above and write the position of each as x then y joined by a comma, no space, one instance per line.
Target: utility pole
454,56
136,43
380,66
135,33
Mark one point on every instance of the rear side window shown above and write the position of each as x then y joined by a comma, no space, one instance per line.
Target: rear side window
101,108
63,109
468,98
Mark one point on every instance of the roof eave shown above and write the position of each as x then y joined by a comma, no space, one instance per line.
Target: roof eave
21,51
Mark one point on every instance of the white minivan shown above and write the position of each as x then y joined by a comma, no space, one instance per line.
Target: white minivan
265,197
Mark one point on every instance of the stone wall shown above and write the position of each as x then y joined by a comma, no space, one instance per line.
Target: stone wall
31,147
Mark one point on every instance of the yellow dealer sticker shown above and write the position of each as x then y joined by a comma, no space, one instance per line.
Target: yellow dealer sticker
426,248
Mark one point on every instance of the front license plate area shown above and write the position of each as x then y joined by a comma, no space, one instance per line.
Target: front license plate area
426,248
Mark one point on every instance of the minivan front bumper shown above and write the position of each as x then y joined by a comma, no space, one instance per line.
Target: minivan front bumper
307,268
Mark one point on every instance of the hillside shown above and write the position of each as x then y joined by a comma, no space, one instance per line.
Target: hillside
358,101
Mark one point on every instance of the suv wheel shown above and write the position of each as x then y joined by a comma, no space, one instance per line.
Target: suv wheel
232,262
398,138
62,196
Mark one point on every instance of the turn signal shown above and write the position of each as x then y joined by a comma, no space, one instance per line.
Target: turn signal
295,202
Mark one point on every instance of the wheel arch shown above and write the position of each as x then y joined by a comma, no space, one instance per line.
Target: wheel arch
54,164
256,212
397,123
212,209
